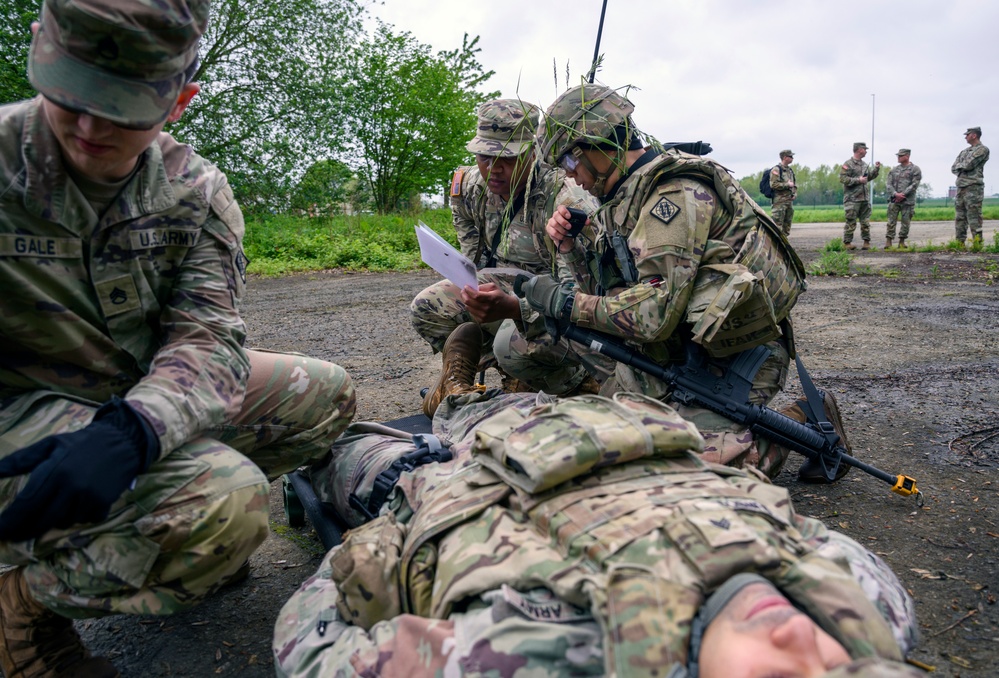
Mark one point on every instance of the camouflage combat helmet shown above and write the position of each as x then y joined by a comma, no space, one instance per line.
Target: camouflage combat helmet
586,117
589,115
123,60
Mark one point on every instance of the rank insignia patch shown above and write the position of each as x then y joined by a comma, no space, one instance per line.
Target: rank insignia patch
665,210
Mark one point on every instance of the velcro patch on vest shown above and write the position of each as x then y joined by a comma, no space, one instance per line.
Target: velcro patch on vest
456,183
162,237
13,245
544,606
118,295
665,210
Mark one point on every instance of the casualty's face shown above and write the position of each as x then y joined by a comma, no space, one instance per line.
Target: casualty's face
760,634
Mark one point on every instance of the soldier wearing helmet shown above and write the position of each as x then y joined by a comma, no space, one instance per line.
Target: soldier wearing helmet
500,208
683,256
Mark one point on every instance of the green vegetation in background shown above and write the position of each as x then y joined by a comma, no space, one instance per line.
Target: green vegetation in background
835,259
279,244
834,213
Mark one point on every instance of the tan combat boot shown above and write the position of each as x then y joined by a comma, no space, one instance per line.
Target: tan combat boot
901,243
888,243
866,245
811,471
38,643
460,359
849,246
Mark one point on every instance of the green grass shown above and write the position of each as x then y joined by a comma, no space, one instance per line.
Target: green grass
280,244
834,213
834,260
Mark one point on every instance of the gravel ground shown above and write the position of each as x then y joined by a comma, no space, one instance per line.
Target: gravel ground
910,348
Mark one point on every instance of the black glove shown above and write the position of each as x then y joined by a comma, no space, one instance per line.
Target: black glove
548,297
545,294
76,477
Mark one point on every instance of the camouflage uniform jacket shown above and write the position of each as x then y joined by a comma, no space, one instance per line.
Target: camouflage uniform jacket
850,174
479,216
700,247
904,179
140,302
634,539
970,166
783,182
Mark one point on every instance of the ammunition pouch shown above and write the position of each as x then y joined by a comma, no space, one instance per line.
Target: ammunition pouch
559,441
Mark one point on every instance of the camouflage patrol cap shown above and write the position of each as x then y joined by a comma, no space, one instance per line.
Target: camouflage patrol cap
904,151
787,152
859,144
506,128
123,60
592,115
973,130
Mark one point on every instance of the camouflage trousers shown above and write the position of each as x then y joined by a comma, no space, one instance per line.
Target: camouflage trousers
968,212
197,514
529,355
783,213
894,210
724,441
553,367
857,211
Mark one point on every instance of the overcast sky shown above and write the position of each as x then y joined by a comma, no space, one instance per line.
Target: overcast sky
753,77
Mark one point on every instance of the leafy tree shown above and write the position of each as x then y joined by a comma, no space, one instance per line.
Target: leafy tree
924,192
410,113
15,38
326,188
267,109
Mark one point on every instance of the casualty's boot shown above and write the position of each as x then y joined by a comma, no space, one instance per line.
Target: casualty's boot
589,385
36,642
901,243
866,245
811,471
888,243
460,359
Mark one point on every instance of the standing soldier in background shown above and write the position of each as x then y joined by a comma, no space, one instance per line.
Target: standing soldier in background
855,174
785,191
970,170
500,208
903,180
137,434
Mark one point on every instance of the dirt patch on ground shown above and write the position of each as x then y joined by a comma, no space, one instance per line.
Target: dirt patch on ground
910,348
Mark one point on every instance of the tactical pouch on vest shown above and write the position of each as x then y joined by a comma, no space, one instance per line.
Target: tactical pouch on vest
730,310
365,569
559,441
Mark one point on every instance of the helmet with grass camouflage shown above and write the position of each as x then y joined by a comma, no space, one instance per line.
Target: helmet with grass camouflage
587,115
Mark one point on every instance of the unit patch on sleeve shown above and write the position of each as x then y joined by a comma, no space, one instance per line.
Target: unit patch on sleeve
665,210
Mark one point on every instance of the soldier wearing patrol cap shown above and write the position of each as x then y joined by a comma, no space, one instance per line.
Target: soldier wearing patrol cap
782,181
902,184
855,174
685,262
969,167
122,367
585,536
499,208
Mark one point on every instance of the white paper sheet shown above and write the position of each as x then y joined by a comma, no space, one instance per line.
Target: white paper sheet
441,256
